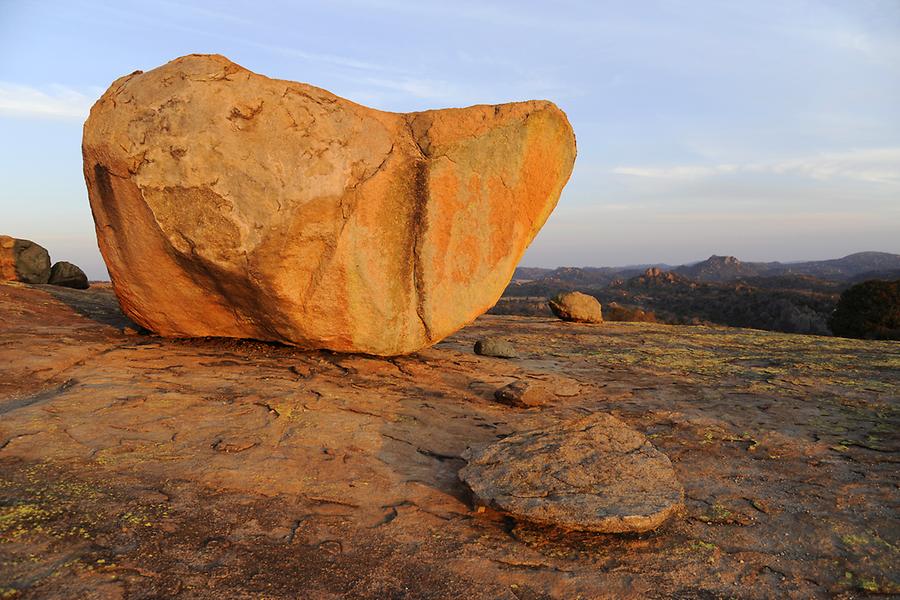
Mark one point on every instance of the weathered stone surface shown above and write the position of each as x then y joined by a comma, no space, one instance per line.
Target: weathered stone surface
495,347
230,204
23,260
577,307
66,274
353,491
524,394
594,474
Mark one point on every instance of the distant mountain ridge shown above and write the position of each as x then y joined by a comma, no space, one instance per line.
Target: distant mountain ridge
725,268
790,297
728,268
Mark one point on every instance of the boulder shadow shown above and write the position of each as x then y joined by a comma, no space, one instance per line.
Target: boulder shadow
97,303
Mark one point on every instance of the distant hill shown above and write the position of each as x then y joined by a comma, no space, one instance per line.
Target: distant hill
847,267
593,275
725,268
529,273
791,297
654,278
728,268
884,275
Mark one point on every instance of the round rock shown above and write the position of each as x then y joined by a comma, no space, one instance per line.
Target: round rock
66,274
577,307
495,347
23,260
593,474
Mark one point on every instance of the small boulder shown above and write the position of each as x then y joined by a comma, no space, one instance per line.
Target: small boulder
23,260
523,394
495,347
66,274
592,474
577,307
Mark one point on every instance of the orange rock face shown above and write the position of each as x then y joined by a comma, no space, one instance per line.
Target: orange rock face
230,204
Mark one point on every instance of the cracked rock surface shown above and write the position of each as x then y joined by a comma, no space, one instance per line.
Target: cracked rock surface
234,205
593,474
136,466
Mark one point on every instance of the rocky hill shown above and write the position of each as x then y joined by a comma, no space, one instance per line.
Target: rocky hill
766,303
728,268
656,278
724,268
848,267
788,297
589,275
791,304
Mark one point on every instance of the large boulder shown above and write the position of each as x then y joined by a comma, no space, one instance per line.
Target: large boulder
230,204
66,274
23,260
576,307
592,474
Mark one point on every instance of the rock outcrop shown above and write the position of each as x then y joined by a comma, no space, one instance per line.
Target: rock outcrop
66,274
230,204
593,474
236,467
23,260
576,307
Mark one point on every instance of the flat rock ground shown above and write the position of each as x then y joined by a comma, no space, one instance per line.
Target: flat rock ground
139,467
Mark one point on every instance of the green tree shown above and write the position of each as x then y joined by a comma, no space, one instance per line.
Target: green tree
869,310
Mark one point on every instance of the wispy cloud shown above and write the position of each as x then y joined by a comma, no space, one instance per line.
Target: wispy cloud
169,15
331,59
53,102
205,13
781,220
872,165
876,165
406,93
403,90
496,15
872,45
681,172
418,88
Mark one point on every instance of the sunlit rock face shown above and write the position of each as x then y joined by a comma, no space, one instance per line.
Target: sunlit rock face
230,204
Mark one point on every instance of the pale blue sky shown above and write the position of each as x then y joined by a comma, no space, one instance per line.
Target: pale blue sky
767,129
